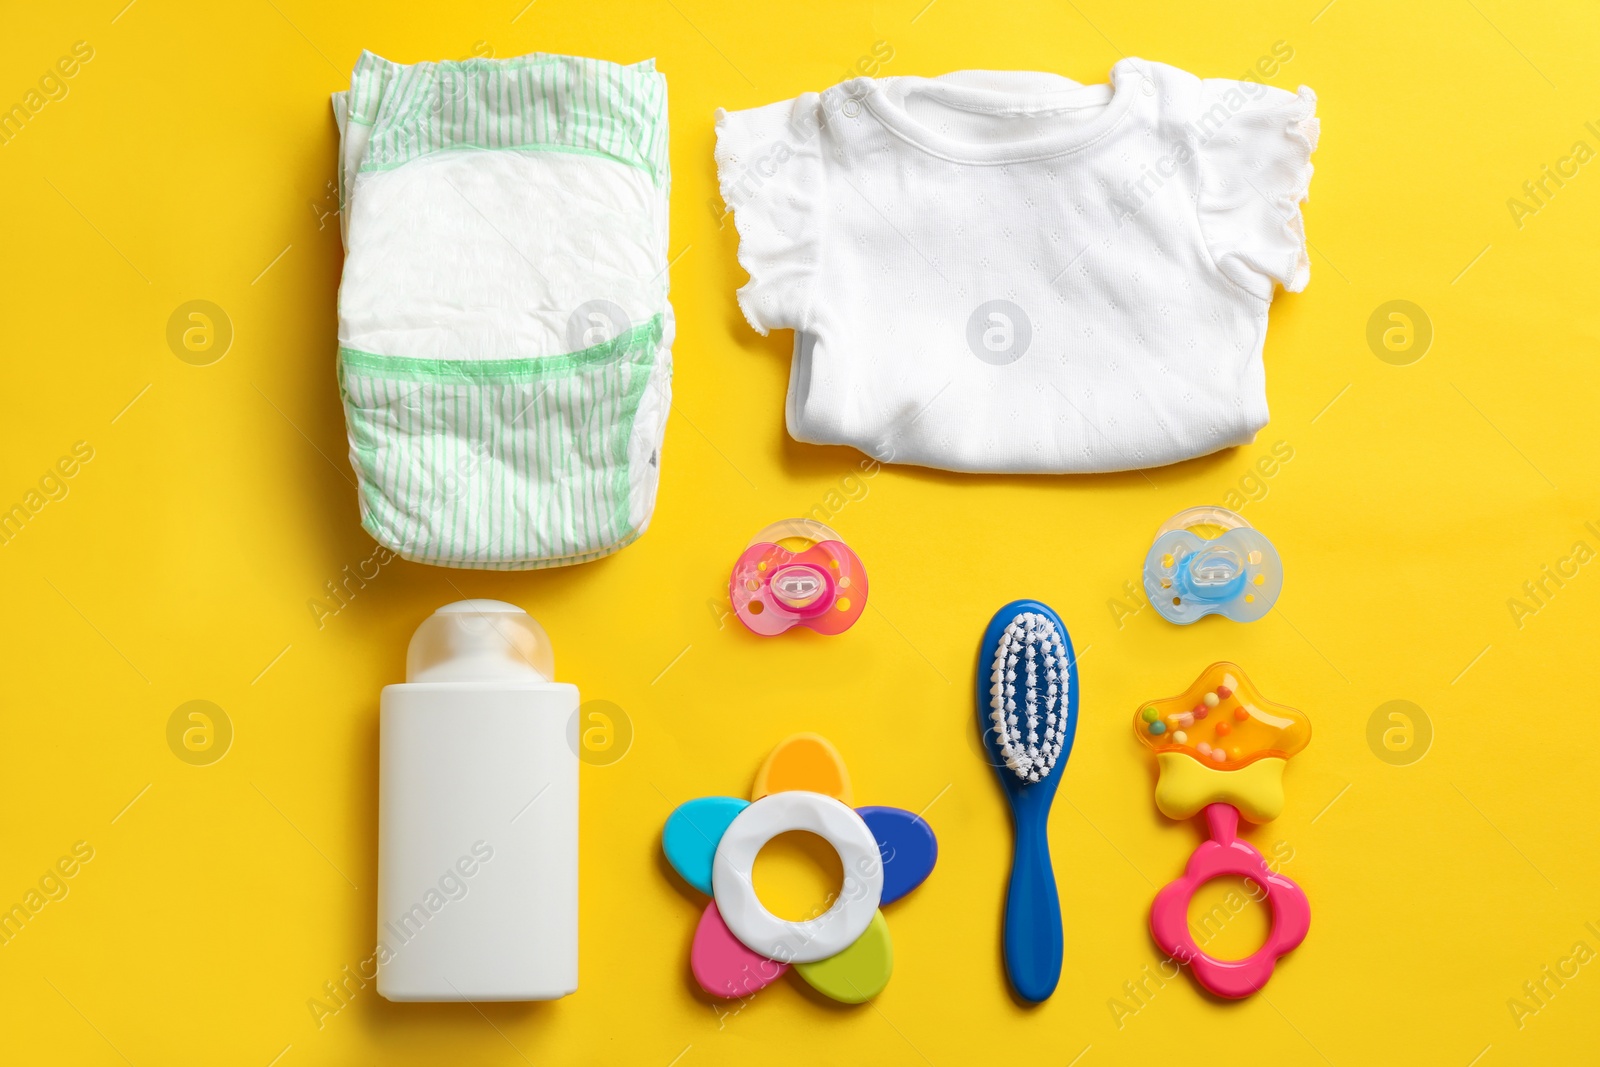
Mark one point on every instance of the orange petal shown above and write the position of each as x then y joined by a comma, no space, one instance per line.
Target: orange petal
804,761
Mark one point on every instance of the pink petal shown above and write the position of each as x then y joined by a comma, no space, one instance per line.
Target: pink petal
721,963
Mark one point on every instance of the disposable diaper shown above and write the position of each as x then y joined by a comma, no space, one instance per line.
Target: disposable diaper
504,329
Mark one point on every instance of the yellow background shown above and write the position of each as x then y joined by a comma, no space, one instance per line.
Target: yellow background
191,160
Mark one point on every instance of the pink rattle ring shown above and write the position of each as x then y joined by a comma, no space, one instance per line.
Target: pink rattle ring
1224,854
798,572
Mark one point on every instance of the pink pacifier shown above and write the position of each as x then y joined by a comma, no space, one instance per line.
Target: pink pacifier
798,573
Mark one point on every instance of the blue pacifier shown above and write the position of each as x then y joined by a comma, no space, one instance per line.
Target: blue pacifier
1209,561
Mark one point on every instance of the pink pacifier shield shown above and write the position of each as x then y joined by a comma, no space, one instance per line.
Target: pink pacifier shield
798,573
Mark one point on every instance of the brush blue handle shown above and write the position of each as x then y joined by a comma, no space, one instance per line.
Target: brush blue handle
1033,911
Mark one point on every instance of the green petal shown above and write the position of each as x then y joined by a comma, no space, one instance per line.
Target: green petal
859,972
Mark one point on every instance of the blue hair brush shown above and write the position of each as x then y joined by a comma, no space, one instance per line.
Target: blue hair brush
1028,713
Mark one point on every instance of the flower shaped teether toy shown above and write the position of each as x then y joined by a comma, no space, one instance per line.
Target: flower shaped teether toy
740,946
1221,748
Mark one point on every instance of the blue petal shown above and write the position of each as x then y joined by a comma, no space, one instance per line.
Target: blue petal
907,845
690,837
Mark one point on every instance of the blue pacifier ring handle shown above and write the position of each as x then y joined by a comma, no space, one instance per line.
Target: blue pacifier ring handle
1033,937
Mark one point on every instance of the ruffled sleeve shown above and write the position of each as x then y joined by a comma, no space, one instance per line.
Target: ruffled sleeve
1255,145
769,173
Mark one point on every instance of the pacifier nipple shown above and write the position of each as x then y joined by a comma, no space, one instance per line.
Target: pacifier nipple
1209,561
798,572
799,587
1215,573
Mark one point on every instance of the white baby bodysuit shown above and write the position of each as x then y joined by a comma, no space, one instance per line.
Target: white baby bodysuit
1009,271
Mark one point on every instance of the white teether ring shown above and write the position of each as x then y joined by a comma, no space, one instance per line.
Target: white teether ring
813,939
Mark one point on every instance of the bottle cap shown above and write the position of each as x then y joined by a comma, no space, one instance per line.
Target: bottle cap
480,641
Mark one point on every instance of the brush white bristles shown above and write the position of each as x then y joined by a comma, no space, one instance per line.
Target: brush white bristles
1030,736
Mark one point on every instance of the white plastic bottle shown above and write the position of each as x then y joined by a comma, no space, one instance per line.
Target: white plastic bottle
478,814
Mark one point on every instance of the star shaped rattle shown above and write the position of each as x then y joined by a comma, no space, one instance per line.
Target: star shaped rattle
1221,748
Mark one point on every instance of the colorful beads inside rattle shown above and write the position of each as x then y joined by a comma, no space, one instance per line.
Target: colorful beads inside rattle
1245,728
